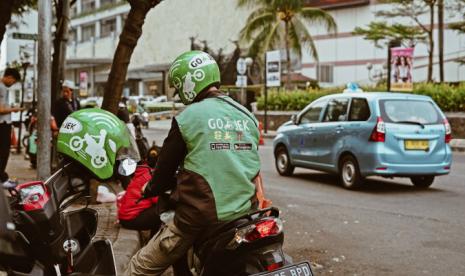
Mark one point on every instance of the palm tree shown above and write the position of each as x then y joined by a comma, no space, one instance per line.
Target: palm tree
278,22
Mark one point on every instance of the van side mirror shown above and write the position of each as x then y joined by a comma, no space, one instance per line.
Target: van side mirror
294,119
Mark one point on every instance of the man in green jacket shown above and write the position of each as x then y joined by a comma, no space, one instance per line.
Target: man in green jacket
214,144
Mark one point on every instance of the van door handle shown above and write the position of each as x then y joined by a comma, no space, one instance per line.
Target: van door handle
339,129
311,128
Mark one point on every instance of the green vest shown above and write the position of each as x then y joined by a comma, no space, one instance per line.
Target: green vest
222,147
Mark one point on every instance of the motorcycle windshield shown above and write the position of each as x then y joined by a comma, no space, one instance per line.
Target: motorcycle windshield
130,151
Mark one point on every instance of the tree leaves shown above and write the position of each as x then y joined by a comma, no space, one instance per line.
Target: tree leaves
381,33
265,27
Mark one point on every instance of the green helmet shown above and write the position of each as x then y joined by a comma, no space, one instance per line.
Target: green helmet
96,138
191,73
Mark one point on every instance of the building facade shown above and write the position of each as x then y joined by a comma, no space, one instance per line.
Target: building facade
343,57
20,51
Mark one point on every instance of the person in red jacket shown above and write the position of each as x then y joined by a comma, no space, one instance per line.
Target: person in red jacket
134,212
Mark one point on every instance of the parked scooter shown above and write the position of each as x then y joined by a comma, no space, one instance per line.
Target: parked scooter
57,242
43,238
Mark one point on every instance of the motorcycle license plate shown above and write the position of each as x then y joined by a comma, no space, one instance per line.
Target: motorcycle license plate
416,144
302,269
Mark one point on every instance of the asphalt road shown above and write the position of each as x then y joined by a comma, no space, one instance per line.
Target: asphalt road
387,228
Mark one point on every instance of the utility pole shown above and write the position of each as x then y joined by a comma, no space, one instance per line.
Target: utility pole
44,86
441,39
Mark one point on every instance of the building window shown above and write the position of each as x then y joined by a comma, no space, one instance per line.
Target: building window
88,32
88,5
108,26
325,73
72,36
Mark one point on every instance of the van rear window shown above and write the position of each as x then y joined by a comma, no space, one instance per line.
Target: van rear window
409,111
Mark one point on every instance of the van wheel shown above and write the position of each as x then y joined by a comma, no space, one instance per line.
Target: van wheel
283,162
423,181
349,173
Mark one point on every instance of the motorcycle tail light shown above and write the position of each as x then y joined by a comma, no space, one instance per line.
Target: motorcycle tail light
263,229
274,266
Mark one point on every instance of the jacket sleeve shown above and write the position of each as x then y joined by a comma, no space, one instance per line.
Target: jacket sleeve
171,156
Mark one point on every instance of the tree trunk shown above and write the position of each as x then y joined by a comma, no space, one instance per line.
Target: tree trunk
59,48
288,55
127,42
6,8
431,44
441,39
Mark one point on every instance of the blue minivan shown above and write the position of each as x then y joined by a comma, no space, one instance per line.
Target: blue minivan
358,134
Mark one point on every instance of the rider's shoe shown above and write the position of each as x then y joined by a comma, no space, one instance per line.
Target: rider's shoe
9,184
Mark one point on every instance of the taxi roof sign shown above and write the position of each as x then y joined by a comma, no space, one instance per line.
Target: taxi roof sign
352,87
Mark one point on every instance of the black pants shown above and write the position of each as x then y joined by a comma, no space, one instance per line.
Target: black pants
5,143
149,219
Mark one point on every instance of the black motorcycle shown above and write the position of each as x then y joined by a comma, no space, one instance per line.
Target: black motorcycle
43,239
249,245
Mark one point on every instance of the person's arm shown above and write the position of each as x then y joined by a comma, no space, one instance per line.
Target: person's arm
260,193
171,156
7,110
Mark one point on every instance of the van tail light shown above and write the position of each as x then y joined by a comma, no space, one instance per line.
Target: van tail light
261,229
448,137
379,132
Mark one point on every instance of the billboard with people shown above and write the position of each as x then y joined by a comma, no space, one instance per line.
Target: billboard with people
401,69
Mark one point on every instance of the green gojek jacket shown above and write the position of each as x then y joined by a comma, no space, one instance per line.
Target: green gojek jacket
216,179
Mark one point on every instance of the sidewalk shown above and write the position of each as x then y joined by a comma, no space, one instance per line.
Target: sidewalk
125,242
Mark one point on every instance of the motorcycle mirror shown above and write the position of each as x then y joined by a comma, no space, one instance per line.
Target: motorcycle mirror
127,167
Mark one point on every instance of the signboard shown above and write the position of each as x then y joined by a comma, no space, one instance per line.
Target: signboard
25,36
83,82
333,4
241,81
401,69
273,69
